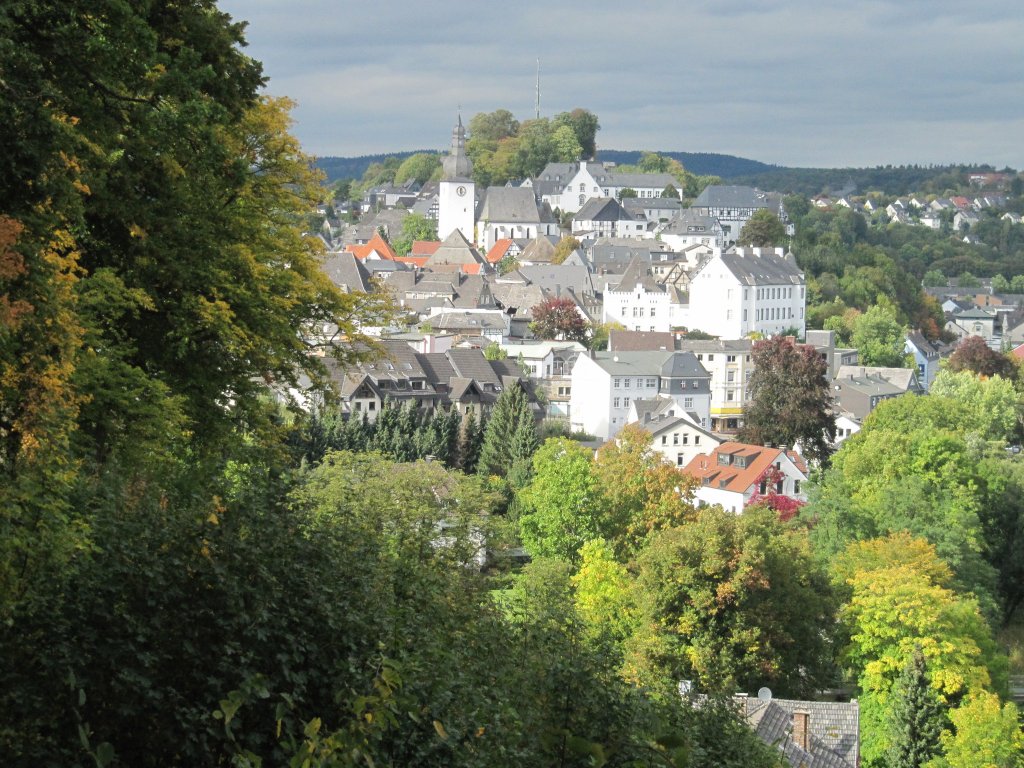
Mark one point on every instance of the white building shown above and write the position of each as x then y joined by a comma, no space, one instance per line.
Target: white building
456,192
605,384
747,290
606,217
638,301
513,212
730,365
676,436
733,473
568,186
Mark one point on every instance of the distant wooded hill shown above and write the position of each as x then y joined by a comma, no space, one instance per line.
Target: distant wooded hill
701,163
889,180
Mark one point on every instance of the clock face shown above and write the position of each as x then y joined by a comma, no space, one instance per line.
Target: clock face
460,191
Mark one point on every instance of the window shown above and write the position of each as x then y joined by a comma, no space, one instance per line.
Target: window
583,187
625,402
641,311
696,438
636,311
730,375
626,383
729,395
664,439
686,438
679,460
796,485
764,487
616,383
710,358
652,311
675,438
357,406
652,382
371,405
730,358
687,402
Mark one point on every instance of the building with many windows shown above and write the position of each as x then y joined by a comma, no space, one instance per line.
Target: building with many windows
606,384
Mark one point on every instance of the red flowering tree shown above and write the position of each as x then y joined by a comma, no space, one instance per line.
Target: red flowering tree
786,507
558,319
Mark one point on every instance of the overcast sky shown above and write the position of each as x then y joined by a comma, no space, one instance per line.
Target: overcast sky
792,82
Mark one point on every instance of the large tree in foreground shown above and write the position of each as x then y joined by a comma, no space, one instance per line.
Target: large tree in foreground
790,399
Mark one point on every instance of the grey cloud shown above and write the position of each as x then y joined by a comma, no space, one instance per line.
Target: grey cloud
794,82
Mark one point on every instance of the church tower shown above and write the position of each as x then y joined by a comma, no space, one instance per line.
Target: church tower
456,199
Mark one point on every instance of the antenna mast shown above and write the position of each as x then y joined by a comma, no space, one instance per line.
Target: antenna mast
538,88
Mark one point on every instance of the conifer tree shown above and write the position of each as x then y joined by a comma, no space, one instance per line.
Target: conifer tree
511,410
917,717
470,439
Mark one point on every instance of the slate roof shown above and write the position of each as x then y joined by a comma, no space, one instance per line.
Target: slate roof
510,204
650,363
637,205
638,274
609,256
347,272
905,379
471,364
519,297
734,196
473,320
690,222
767,269
602,209
834,730
455,250
557,277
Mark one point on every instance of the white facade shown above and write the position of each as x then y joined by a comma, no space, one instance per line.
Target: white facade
751,290
637,310
679,440
730,365
456,208
604,385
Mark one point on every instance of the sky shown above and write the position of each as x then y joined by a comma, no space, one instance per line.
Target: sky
815,83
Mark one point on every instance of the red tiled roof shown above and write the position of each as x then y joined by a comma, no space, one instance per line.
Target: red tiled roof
424,247
498,250
417,261
730,477
1018,352
376,243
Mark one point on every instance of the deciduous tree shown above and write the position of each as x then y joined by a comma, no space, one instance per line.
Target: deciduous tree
556,318
739,602
790,399
762,229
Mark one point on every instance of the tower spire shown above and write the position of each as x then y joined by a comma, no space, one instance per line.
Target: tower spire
538,87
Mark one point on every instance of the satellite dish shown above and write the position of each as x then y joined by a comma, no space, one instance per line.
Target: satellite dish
764,694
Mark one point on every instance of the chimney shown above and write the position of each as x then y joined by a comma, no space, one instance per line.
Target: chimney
801,729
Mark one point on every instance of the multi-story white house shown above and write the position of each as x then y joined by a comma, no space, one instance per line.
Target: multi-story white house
568,186
638,301
691,228
733,473
730,365
675,434
606,217
605,385
745,290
